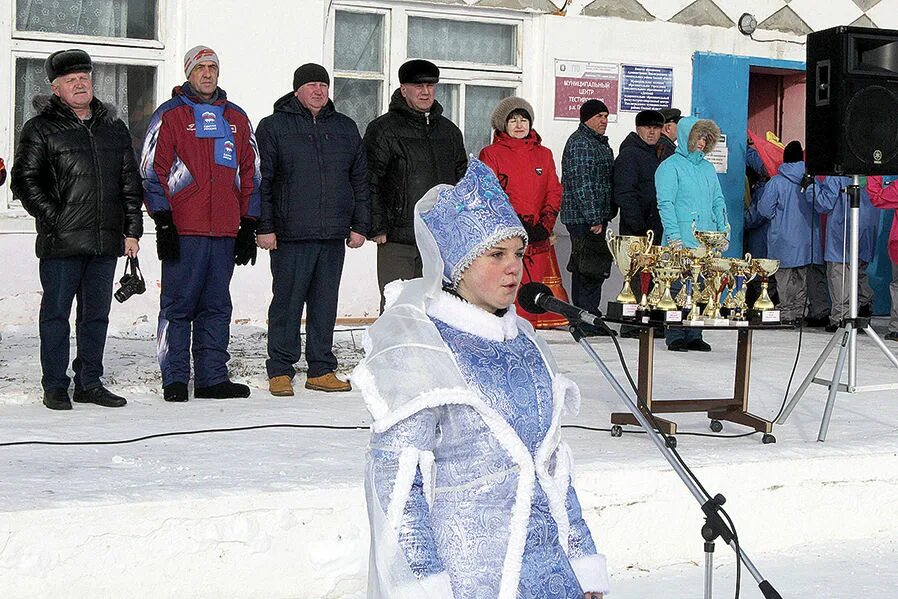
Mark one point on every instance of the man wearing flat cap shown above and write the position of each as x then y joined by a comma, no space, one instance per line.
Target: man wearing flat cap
410,149
667,143
201,186
586,204
75,173
634,185
314,204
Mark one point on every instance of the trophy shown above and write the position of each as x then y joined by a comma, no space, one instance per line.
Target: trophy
742,272
718,268
666,269
714,241
763,309
623,248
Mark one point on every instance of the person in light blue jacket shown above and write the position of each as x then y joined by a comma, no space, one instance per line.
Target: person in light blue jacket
689,192
793,237
832,199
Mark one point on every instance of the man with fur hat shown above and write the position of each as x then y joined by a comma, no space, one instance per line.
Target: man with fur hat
314,204
793,236
201,186
689,194
634,185
586,205
667,142
75,173
410,149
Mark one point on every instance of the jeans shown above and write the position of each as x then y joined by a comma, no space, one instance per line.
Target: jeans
89,279
304,273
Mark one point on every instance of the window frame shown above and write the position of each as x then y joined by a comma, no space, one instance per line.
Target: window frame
395,41
68,38
30,49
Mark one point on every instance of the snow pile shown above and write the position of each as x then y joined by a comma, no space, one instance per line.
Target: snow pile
280,512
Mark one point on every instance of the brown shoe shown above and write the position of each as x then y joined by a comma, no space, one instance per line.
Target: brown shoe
327,382
281,386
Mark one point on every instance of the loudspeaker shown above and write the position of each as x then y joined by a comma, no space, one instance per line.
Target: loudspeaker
851,120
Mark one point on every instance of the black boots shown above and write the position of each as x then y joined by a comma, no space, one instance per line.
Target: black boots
175,392
222,390
57,399
100,396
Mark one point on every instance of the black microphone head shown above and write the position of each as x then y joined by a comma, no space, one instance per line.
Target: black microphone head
527,296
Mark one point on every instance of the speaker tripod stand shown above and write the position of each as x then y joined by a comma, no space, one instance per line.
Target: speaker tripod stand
845,335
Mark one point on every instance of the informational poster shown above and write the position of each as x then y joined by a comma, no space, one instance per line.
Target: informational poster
719,156
579,81
645,88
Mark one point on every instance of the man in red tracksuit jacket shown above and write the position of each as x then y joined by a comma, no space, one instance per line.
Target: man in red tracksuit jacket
200,170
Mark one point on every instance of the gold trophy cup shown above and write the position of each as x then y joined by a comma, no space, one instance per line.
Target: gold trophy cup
764,267
665,271
623,248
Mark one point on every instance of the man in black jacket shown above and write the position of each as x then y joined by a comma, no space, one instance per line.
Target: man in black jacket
667,144
410,149
634,186
75,173
314,195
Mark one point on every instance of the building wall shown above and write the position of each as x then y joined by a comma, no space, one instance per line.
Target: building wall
261,44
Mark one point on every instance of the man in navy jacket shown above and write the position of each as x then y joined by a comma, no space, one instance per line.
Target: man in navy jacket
314,198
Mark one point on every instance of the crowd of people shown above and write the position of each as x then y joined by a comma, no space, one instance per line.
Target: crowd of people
465,448
306,185
803,222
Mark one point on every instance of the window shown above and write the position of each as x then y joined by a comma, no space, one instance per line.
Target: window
478,102
462,41
130,89
134,19
359,65
479,60
124,33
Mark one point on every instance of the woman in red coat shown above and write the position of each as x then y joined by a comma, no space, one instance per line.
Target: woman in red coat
526,170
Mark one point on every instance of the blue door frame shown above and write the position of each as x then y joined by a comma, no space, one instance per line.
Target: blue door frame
720,92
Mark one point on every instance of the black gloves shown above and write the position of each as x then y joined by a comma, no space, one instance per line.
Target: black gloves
168,245
245,248
535,232
806,181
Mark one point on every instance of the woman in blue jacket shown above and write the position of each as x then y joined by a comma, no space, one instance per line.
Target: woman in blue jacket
689,193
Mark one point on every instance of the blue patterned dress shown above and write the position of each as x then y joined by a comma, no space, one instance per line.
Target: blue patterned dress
513,380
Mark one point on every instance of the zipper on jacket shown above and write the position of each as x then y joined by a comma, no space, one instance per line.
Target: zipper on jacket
93,148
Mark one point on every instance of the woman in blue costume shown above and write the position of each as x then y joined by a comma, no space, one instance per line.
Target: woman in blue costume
468,484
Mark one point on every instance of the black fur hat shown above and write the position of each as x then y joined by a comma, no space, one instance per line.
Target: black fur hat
419,71
63,62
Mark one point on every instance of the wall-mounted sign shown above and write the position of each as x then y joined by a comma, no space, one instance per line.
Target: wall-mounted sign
645,88
579,81
719,156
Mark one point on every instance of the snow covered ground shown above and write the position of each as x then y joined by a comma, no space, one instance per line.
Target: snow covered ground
279,512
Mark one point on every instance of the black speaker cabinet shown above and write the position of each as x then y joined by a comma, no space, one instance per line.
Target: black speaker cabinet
851,125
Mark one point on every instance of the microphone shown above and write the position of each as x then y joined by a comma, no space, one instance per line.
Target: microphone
537,298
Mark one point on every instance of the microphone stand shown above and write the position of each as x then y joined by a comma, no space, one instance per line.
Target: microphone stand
714,526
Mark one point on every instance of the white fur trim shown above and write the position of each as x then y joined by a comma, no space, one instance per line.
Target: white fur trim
435,586
467,317
555,493
426,462
568,393
592,573
392,291
363,380
405,477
